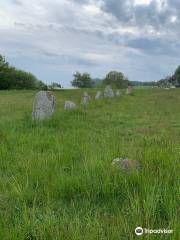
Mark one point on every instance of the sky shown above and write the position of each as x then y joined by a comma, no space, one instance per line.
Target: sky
55,38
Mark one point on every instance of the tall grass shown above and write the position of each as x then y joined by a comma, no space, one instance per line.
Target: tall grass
56,177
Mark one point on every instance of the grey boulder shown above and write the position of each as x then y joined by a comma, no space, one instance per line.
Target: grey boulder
126,164
108,92
98,95
86,98
69,105
129,90
117,93
43,106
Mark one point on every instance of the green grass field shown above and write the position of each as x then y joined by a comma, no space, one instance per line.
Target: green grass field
56,177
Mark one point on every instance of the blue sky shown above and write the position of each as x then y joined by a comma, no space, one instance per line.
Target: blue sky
55,38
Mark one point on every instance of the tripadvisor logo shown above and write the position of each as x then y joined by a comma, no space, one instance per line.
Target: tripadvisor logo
139,231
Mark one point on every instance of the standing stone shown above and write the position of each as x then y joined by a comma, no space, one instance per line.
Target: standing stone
69,105
108,92
127,164
98,95
44,105
129,90
86,98
117,93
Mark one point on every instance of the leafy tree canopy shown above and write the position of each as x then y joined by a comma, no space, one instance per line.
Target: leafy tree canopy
82,80
177,75
116,79
173,80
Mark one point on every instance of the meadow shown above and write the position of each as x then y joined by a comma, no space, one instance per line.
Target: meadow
56,177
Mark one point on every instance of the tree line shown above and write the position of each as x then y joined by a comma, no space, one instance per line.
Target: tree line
12,78
113,78
169,81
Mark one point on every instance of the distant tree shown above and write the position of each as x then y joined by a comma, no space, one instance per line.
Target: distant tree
116,79
23,80
5,81
82,80
12,78
177,75
3,64
54,85
169,81
144,84
163,83
41,86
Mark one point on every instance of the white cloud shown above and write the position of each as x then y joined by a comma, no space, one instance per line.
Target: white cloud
173,19
55,38
137,2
